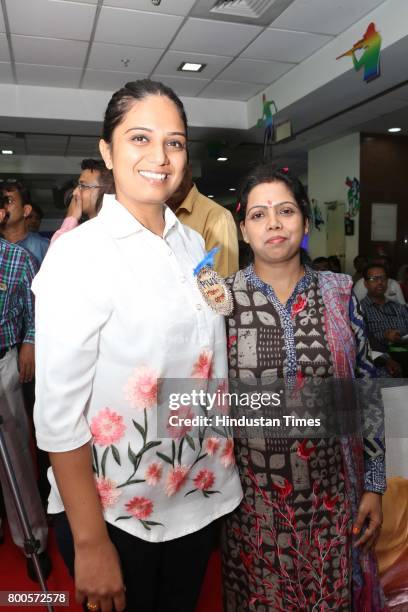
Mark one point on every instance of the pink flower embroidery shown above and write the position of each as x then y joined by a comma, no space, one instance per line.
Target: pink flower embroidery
204,480
176,478
212,445
222,401
108,492
203,366
140,507
227,456
141,388
299,305
107,427
181,429
153,473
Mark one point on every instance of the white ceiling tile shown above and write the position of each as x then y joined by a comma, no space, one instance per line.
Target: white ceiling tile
225,90
173,59
254,71
49,51
136,28
53,19
285,45
6,76
47,76
108,80
4,50
214,37
188,86
108,57
170,7
324,16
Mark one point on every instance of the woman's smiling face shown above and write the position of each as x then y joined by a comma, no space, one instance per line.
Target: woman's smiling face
148,152
274,225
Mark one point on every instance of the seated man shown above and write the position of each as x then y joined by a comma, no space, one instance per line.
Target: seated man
393,290
387,321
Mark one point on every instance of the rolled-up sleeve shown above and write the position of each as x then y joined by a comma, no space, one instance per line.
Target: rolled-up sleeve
70,312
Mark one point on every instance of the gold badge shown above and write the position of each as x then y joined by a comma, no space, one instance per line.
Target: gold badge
213,288
3,287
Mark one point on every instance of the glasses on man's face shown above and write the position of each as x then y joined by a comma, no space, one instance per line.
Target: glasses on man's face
85,187
377,278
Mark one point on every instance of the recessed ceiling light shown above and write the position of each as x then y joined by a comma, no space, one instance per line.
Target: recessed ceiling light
232,189
396,129
210,196
191,67
7,152
222,158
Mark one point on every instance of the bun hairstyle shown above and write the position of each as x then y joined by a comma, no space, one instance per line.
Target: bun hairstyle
269,173
122,100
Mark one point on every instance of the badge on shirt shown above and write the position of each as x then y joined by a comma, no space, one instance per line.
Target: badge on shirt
3,287
213,288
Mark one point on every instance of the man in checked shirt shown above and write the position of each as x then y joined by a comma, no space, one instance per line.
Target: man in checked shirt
17,269
386,321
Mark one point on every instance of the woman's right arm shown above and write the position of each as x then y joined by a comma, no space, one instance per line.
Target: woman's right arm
98,576
71,309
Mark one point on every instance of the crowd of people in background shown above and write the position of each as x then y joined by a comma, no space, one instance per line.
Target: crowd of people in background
376,303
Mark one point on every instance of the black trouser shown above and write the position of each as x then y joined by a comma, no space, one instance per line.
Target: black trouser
159,577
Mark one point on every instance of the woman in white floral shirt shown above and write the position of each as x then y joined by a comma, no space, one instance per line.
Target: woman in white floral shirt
117,308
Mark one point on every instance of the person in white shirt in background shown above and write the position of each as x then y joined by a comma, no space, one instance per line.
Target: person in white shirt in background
118,308
94,181
393,293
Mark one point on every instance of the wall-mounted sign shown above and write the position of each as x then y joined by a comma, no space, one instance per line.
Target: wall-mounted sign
384,222
365,53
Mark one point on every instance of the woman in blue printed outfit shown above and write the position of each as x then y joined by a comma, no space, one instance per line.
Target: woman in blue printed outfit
301,539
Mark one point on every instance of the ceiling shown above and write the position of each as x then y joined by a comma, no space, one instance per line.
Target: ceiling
101,44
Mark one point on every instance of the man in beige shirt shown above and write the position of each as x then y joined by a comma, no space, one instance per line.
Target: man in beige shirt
214,222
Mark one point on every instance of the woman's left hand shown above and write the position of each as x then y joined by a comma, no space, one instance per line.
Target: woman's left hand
369,514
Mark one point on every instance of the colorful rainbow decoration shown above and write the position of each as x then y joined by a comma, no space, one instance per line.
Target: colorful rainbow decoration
370,45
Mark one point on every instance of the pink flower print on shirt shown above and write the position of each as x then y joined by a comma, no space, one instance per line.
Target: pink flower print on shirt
204,480
227,456
176,478
212,445
203,366
153,473
108,492
222,400
141,388
107,427
181,429
140,507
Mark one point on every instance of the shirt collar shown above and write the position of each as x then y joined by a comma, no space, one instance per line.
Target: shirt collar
120,223
188,203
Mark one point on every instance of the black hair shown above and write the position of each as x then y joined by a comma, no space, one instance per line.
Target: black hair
318,260
360,256
370,266
3,201
122,99
269,173
94,165
11,185
107,181
37,209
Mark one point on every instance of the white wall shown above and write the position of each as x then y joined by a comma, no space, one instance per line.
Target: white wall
328,167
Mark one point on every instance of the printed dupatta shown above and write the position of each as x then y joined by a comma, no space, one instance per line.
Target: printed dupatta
367,594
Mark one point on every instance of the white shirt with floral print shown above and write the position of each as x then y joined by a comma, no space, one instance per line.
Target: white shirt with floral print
117,307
